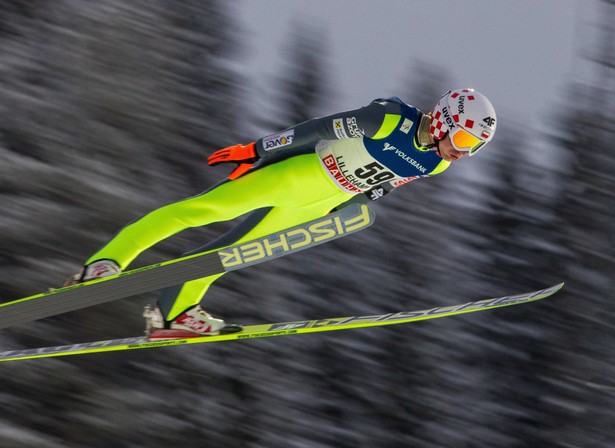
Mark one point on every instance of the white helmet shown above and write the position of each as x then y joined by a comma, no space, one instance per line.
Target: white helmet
467,116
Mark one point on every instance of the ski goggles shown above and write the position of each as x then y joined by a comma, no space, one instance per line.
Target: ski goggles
462,140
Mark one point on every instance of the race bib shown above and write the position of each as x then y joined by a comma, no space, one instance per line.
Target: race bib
350,166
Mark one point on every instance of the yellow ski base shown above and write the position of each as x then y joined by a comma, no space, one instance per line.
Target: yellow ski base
283,329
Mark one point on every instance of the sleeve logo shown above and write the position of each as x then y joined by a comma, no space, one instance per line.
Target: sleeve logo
338,128
278,140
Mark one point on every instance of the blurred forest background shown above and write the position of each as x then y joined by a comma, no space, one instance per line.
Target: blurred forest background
108,109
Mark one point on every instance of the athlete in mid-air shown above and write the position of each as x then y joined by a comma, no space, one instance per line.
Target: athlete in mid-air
294,176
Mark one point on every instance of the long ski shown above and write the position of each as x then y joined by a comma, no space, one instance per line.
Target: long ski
283,329
350,219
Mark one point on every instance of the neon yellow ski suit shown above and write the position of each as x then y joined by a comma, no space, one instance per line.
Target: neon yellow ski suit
308,170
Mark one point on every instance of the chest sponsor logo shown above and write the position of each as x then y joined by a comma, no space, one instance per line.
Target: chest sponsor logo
278,140
404,181
410,160
376,193
338,173
389,147
406,125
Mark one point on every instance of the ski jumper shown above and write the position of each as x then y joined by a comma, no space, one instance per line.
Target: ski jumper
306,171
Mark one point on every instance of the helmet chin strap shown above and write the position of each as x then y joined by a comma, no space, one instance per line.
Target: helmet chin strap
437,144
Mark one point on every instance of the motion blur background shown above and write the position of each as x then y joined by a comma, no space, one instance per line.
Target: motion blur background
108,109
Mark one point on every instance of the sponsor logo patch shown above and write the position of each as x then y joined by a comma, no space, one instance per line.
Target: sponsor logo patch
406,125
338,128
278,140
406,180
337,173
353,127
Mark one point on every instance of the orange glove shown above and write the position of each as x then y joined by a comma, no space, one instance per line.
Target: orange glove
244,155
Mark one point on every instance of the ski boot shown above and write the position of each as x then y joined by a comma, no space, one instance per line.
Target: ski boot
98,269
192,323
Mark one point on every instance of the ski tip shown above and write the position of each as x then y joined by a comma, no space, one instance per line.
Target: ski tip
551,289
548,292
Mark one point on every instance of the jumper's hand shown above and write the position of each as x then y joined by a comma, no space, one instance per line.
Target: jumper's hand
244,155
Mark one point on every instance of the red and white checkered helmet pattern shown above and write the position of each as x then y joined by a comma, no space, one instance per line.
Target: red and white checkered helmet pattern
466,109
